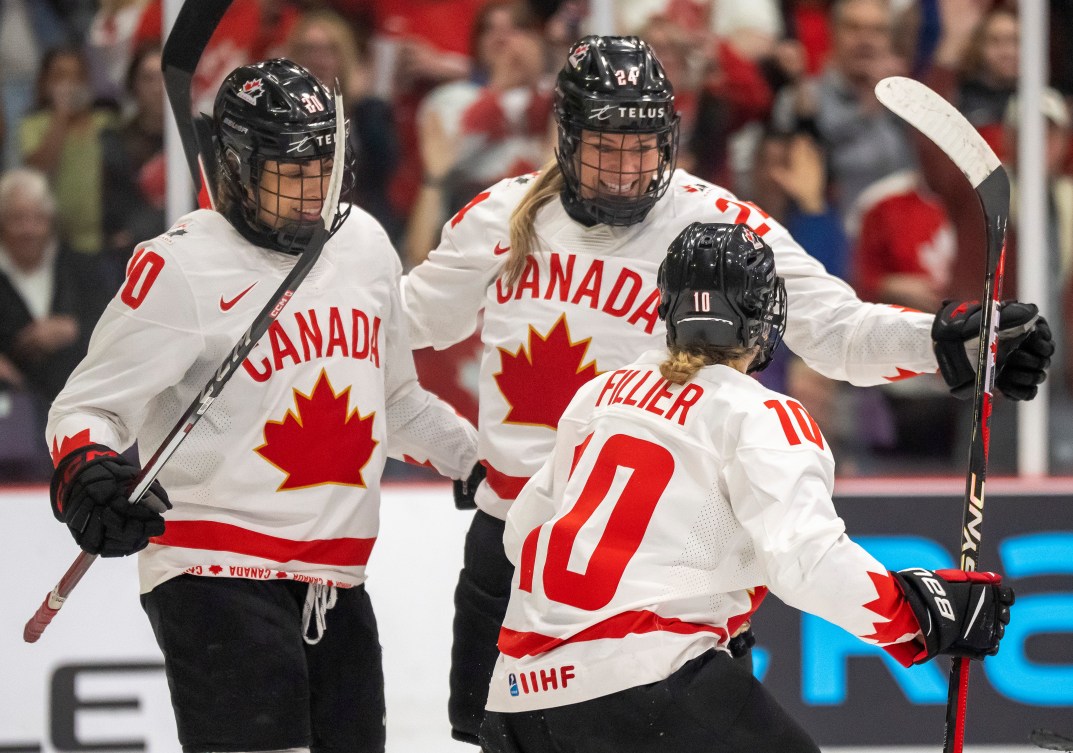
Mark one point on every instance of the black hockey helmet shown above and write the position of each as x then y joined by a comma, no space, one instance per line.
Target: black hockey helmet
276,111
614,85
718,286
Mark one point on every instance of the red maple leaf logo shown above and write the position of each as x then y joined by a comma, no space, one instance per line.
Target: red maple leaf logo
539,383
903,374
890,604
68,444
322,441
216,569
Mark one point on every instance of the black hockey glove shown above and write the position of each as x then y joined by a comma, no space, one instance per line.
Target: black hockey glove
1024,348
89,493
466,489
960,613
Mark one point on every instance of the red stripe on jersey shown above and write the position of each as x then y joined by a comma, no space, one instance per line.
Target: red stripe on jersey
505,487
223,537
517,644
756,596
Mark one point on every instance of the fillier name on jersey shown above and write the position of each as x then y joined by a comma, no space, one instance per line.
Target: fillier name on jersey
663,518
281,478
586,304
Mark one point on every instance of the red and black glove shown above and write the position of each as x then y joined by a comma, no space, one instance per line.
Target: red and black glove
89,492
1025,347
960,613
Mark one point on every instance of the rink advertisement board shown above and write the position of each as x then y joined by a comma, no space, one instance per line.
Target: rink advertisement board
95,681
847,693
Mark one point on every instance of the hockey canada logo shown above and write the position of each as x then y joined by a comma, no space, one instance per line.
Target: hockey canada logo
577,54
252,90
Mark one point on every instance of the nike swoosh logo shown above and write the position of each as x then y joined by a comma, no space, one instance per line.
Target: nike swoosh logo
228,305
975,614
500,249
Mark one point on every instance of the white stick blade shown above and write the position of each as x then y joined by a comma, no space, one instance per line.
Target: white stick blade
942,123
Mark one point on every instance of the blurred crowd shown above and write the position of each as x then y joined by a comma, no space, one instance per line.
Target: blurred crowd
445,97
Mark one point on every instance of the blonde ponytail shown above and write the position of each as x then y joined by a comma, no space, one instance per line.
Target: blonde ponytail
682,364
545,188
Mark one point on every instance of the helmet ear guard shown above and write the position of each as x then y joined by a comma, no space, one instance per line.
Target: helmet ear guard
718,288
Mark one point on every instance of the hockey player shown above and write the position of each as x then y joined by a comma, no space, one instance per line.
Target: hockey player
563,264
679,493
254,587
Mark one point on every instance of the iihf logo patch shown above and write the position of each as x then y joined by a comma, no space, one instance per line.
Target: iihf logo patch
512,681
252,90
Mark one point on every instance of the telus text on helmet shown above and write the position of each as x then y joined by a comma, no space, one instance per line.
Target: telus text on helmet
326,138
627,113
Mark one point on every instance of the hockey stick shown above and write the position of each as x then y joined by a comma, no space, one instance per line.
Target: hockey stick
193,28
54,601
943,124
1044,738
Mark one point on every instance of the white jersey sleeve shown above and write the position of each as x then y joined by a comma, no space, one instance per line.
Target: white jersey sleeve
445,293
421,427
144,343
780,479
828,326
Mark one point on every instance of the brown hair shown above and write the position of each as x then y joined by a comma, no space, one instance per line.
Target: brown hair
682,364
545,188
972,60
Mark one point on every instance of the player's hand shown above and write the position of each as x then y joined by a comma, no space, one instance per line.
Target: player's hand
960,613
1025,347
89,493
466,489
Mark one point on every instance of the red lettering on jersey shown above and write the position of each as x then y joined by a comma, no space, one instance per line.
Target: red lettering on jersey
282,347
361,342
647,312
806,423
142,272
628,399
626,276
612,382
560,278
359,335
590,285
652,466
745,211
525,572
688,397
530,279
626,378
559,284
310,334
472,203
653,405
336,335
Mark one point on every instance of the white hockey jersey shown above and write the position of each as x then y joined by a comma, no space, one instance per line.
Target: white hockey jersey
281,478
661,520
586,304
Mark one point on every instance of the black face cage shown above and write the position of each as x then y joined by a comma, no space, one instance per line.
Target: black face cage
288,234
770,326
617,210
